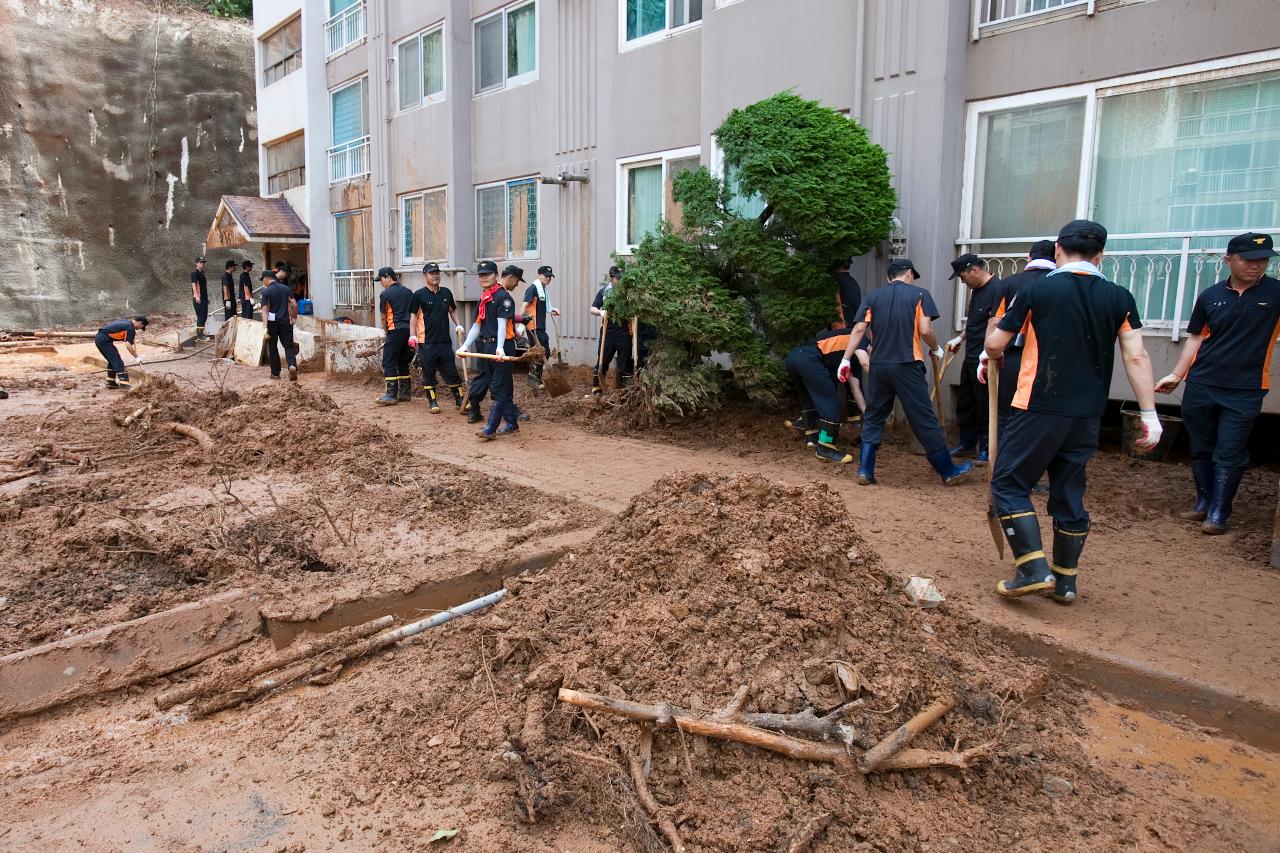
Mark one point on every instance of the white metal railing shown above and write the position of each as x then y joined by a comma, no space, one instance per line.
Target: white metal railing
349,161
1164,271
353,289
1004,11
344,29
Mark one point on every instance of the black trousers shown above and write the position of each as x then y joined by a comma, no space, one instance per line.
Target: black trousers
545,341
907,383
202,312
813,383
1219,421
1008,387
396,355
617,345
1033,443
502,388
246,309
282,332
971,406
107,347
438,358
482,372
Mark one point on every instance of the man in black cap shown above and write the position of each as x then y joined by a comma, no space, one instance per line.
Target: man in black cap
900,319
228,291
617,337
395,307
483,339
1226,362
971,401
246,290
848,294
1070,321
435,318
536,308
275,313
499,325
200,298
119,331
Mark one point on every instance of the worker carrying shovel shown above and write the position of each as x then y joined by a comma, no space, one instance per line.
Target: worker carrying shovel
536,308
119,331
615,337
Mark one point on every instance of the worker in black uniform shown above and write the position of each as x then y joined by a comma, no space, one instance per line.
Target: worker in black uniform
395,307
971,399
1226,362
1070,321
617,337
813,368
1039,264
481,371
435,319
275,313
500,326
200,298
848,294
900,318
536,307
228,291
246,290
119,331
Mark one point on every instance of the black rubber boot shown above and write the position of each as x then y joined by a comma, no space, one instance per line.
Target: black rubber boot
1225,485
964,448
1033,575
827,450
474,415
456,390
805,426
404,389
1067,545
122,381
388,397
111,381
432,401
1202,473
951,472
867,465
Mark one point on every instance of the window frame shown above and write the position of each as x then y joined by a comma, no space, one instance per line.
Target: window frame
364,214
668,31
508,82
508,183
302,169
426,99
624,166
262,51
406,259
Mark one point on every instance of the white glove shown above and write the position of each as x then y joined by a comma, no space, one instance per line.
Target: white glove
604,315
520,330
845,370
457,330
227,303
1151,430
459,351
938,353
982,367
953,345
555,312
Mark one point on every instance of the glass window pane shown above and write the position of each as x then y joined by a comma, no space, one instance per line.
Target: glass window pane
491,225
434,226
336,6
433,63
645,17
522,49
1030,170
342,241
412,227
409,60
349,121
488,49
644,201
685,11
523,218
673,211
746,206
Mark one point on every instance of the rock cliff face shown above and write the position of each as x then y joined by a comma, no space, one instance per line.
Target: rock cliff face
120,128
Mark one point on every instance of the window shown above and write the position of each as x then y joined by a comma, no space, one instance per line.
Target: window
746,206
646,21
420,69
998,11
285,164
422,227
507,219
282,51
506,48
345,27
349,131
645,196
353,249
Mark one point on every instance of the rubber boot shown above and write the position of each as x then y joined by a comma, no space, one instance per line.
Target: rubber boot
1202,473
474,415
122,380
951,472
456,390
404,389
806,426
827,450
964,448
434,403
1225,484
111,380
867,465
200,333
1032,572
388,397
981,456
1067,545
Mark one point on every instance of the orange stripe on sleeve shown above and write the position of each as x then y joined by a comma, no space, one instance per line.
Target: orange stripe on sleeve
1266,365
916,349
1030,361
836,343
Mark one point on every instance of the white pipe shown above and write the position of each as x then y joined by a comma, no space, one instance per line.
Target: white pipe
441,618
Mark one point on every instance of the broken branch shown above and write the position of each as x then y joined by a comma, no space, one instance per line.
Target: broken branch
196,434
904,734
18,475
651,805
922,759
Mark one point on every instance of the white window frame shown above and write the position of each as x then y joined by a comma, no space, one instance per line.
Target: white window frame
262,52
427,99
519,79
422,194
979,27
663,34
625,165
506,216
720,4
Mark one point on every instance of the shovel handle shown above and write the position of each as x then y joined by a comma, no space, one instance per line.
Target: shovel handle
486,356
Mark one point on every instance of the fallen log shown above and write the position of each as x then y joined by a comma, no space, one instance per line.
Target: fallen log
196,434
18,475
904,734
922,759
651,806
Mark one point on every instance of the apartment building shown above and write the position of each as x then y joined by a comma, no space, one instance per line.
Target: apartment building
549,131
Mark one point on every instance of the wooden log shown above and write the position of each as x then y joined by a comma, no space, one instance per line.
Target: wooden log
922,759
18,475
904,734
651,805
196,434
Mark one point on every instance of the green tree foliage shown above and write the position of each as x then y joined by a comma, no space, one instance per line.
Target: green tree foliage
754,286
230,8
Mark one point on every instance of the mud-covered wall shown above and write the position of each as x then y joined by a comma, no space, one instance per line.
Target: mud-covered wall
120,128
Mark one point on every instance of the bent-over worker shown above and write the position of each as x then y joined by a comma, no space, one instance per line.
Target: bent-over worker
814,368
119,331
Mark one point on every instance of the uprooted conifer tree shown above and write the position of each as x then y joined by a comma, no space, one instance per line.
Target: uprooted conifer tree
748,272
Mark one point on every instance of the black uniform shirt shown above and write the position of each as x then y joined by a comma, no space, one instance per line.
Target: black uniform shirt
275,302
1009,289
1239,331
615,328
892,315
118,330
197,277
503,307
228,287
539,307
435,308
848,297
1069,322
395,305
246,287
983,303
831,344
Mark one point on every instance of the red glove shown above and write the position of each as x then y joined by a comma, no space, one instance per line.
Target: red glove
413,342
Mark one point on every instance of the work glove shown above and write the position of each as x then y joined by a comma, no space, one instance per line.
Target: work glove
460,350
604,315
845,371
982,367
226,304
1151,430
457,330
953,345
555,312
520,330
413,342
938,353
1169,384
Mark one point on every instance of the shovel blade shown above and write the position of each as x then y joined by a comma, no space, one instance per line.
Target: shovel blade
997,535
556,380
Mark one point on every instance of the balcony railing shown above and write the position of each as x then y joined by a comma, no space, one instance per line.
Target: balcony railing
1004,11
353,289
349,161
1165,272
344,29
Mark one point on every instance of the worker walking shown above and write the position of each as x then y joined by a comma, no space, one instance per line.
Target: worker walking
501,325
971,399
246,290
435,319
483,341
275,314
1226,363
1070,321
200,298
900,318
813,368
536,307
395,306
119,331
617,337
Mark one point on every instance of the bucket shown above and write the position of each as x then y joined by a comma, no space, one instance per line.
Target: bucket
1131,428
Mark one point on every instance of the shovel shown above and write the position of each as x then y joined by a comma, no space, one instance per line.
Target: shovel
993,434
556,375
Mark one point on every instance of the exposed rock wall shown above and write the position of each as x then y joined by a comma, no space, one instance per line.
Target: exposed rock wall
120,128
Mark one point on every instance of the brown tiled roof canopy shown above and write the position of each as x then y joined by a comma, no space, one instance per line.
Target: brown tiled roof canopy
266,217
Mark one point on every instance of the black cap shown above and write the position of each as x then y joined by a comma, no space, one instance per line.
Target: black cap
486,267
615,271
964,262
431,268
1042,250
901,264
1085,229
247,264
385,272
267,274
547,271
1251,246
512,269
229,265
199,260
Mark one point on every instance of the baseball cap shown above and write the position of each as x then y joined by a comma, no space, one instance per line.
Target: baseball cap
386,272
1251,246
486,267
512,269
199,260
267,274
1084,228
615,271
431,268
1042,250
547,271
962,263
901,264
